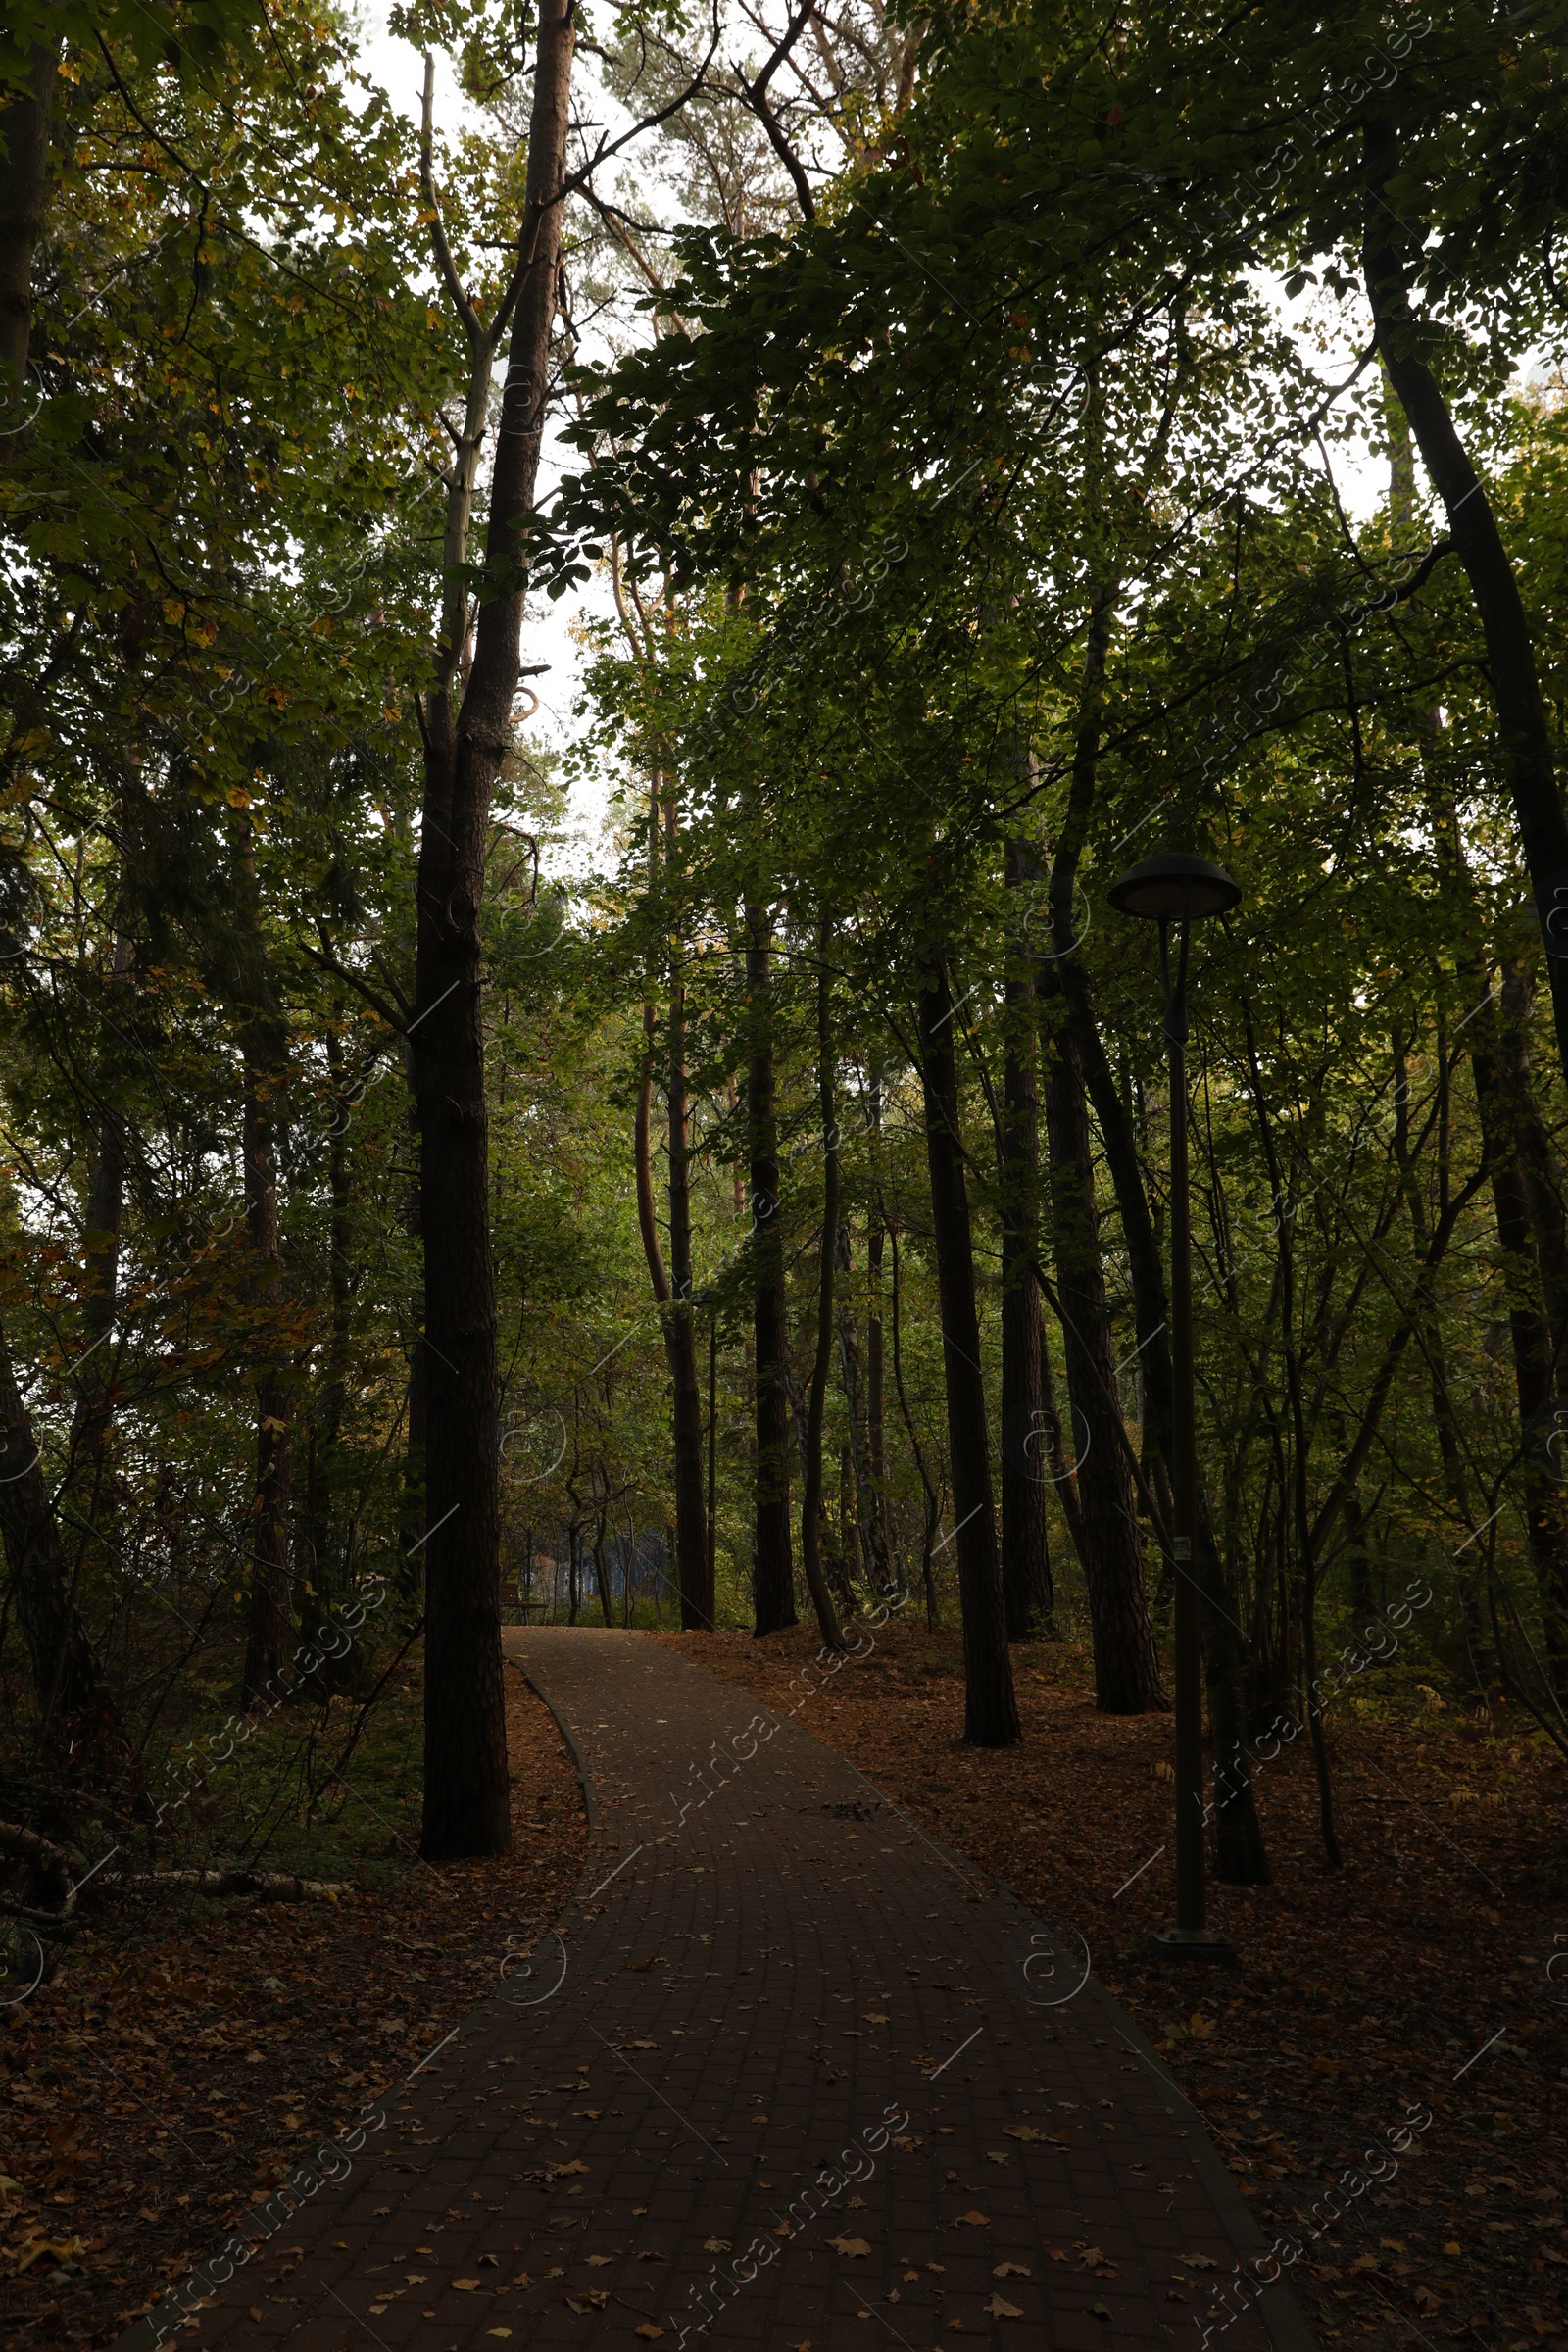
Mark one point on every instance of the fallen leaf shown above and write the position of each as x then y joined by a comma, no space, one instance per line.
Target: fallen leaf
576,2166
973,2220
997,2156
849,2245
1003,2311
467,2286
1101,2311
717,2246
1021,2131
600,2262
649,2332
498,2332
1012,2270
495,2260
1197,2262
1093,2254
592,2298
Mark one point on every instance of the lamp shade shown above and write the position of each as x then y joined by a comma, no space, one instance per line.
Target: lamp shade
1174,886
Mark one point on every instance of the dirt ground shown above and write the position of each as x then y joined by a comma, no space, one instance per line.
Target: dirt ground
1416,1975
192,2052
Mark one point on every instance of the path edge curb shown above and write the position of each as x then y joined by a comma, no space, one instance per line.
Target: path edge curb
579,1762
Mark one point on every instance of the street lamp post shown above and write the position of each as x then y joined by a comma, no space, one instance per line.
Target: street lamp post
1177,888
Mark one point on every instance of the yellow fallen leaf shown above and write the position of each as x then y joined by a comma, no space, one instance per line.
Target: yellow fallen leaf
715,2245
498,2332
849,2245
1003,2311
467,2286
1012,2270
600,2262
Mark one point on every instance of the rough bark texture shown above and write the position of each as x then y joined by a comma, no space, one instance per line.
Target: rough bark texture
991,1714
65,1670
774,1573
23,202
1126,1666
1522,720
467,1791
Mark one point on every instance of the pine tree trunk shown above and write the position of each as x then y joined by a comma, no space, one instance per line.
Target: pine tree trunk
1126,1665
773,1576
991,1714
466,1786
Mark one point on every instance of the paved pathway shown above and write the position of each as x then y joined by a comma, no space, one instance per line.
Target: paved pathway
789,2076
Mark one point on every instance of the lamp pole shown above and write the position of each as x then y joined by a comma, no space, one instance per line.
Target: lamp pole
1173,890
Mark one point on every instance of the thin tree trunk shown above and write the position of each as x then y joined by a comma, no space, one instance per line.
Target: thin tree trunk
680,1340
1523,723
1545,1499
870,1539
1027,1593
66,1675
991,1713
265,1051
23,206
811,1482
467,1786
773,1574
1126,1664
932,1516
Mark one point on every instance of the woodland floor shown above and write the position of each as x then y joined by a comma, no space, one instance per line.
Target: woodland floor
1359,1993
187,2055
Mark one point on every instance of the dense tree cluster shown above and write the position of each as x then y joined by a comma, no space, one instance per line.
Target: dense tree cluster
998,443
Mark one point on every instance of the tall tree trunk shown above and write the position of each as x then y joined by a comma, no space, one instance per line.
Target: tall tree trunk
100,1287
870,1538
811,1515
1027,1593
1523,724
680,1340
1546,1495
66,1675
264,1049
932,1516
23,205
1241,1859
1126,1665
774,1575
991,1713
466,1788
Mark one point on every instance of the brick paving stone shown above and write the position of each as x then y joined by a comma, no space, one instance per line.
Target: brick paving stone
775,2016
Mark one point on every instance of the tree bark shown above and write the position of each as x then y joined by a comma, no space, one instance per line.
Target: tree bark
66,1675
1126,1664
991,1713
680,1341
23,205
773,1576
1543,1442
811,1481
1523,723
466,1788
870,1534
1027,1593
264,1050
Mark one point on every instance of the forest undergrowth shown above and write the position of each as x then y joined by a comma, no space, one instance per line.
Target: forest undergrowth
187,2054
